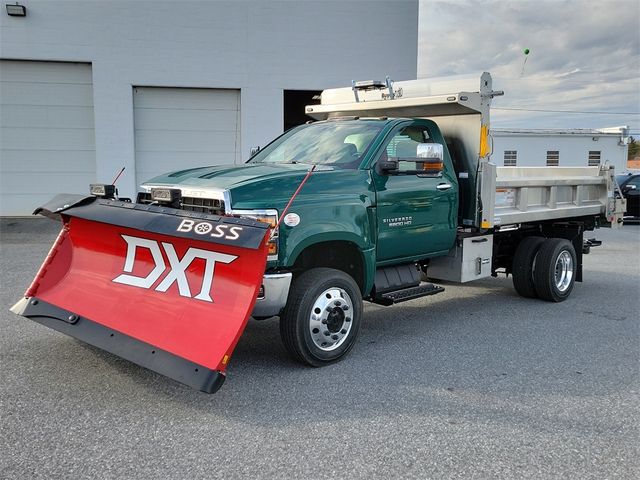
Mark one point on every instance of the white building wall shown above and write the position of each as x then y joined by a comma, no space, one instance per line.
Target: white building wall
259,47
574,149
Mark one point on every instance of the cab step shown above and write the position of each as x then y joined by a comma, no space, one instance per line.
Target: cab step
405,294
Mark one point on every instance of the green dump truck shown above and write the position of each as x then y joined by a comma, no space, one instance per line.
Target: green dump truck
403,191
395,192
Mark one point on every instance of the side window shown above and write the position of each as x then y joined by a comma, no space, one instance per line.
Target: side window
510,158
553,158
404,144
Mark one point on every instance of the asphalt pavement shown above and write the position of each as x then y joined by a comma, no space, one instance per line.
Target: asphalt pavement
475,382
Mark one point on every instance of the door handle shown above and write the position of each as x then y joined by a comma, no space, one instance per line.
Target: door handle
444,186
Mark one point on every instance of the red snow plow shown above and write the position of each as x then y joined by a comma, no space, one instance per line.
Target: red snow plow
167,289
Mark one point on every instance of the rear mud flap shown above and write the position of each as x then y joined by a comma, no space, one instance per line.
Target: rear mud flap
167,289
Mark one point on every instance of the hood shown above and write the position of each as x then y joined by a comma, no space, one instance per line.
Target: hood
256,185
223,177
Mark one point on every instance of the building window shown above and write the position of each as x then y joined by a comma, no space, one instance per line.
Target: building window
510,158
553,158
594,158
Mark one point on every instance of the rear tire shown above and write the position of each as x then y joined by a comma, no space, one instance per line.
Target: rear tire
321,321
522,267
555,272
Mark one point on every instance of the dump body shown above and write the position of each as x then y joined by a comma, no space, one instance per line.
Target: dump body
532,194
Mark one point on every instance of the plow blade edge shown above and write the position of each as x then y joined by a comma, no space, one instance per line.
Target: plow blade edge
167,289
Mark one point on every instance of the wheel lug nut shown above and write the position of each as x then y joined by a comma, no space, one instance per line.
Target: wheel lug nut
335,337
338,303
343,331
326,333
347,319
345,307
324,321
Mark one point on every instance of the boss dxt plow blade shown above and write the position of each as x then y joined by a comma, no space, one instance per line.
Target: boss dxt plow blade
167,289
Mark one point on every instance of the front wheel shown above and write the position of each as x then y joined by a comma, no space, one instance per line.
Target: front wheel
321,321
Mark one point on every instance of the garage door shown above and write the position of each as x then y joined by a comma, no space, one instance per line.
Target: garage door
47,143
179,128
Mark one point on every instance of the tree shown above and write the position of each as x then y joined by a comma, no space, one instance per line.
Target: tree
634,149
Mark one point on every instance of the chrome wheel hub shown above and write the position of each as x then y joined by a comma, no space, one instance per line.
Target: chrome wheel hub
331,319
564,271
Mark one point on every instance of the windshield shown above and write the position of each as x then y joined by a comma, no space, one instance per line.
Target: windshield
621,178
336,143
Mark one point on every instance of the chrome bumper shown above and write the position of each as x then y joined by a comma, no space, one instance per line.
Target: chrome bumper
273,296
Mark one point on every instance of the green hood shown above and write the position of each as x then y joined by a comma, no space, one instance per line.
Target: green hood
229,176
261,185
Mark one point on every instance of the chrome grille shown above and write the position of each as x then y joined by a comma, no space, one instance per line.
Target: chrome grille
206,205
192,204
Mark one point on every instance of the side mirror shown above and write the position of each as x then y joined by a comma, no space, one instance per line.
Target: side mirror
387,166
426,161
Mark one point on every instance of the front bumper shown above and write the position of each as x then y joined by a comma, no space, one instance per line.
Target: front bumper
273,295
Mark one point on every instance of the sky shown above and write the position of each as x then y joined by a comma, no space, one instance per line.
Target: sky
584,56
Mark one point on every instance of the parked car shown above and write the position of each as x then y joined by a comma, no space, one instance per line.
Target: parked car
630,187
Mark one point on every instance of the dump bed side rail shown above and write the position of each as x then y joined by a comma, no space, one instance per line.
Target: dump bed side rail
531,194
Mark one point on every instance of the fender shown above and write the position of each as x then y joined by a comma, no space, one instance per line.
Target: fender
368,252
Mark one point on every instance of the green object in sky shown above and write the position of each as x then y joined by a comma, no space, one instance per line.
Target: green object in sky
526,51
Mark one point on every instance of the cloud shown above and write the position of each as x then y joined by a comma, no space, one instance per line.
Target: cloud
566,74
584,56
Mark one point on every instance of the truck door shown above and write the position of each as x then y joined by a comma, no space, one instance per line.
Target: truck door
417,214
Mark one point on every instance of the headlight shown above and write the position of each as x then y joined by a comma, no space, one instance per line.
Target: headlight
102,190
169,196
269,216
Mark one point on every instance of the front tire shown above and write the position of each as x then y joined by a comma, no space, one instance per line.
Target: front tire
321,321
555,272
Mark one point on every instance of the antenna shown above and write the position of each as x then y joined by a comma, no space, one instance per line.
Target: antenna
118,176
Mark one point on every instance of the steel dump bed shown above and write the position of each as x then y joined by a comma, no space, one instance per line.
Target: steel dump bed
530,194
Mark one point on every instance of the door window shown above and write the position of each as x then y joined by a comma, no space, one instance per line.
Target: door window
404,144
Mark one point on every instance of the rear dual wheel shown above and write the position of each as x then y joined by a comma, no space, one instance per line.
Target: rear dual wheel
544,268
522,267
554,274
321,321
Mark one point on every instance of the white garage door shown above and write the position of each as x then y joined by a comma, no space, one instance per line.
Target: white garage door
47,143
179,128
